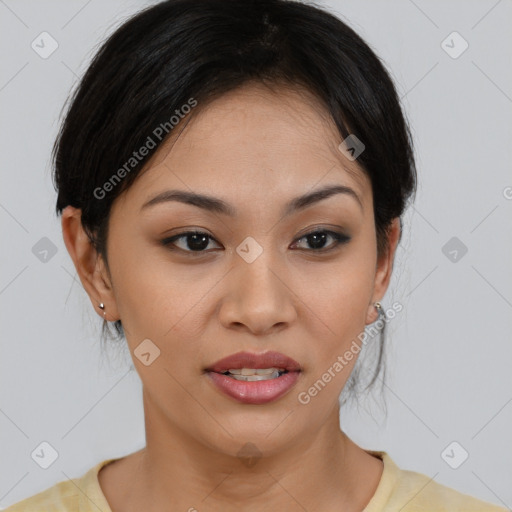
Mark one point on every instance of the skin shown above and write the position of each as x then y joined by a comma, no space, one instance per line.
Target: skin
256,149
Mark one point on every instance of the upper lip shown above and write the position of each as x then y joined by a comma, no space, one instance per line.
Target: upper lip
252,360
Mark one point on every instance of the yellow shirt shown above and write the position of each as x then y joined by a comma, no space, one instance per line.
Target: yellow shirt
398,490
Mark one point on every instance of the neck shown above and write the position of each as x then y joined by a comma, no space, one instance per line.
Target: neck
322,471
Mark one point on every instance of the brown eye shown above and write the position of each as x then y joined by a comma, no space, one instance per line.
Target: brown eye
193,241
317,240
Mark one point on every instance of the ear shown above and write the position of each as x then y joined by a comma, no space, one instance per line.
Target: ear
384,270
89,265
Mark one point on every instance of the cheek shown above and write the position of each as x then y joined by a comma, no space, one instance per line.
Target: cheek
342,307
343,288
340,303
159,300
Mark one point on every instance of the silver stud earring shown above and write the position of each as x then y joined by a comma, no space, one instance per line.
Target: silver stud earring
378,307
102,307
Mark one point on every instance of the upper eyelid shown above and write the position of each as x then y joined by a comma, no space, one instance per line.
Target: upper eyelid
199,232
318,229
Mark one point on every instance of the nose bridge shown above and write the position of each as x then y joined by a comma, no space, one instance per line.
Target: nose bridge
258,298
256,272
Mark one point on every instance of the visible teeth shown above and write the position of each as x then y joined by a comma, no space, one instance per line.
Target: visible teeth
265,371
255,377
253,371
255,374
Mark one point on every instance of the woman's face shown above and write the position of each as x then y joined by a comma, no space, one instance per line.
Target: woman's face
258,284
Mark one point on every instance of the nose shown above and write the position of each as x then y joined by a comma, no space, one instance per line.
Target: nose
259,299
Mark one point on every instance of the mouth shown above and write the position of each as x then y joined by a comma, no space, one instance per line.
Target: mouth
254,378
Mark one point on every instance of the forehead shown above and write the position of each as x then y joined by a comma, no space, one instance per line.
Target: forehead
254,141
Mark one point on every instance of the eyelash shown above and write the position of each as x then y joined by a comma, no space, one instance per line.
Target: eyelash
339,239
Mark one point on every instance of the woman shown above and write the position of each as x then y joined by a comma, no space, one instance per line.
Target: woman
231,177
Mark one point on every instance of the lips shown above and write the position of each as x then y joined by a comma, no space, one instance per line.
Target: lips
254,392
251,360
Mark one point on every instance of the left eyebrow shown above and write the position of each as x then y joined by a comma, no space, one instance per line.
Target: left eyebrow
217,205
310,198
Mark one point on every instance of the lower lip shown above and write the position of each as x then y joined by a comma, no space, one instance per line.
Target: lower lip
257,392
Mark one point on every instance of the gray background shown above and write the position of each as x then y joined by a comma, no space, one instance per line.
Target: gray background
450,349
